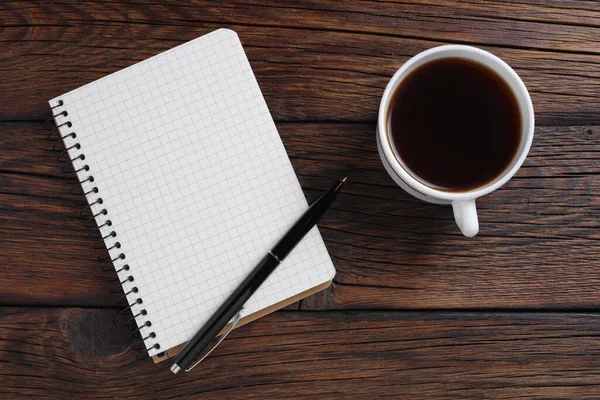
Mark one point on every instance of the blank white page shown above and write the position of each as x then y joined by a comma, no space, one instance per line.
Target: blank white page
195,180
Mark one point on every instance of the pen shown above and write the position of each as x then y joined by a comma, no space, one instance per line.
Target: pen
259,274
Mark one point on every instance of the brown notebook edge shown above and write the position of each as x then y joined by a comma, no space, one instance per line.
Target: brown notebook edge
172,352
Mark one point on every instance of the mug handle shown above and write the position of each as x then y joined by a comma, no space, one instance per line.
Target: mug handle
465,215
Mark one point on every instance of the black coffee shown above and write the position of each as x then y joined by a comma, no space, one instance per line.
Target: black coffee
454,124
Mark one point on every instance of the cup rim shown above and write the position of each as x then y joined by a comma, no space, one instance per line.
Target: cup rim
407,177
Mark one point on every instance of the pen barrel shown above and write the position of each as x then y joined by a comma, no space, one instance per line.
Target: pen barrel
306,222
226,311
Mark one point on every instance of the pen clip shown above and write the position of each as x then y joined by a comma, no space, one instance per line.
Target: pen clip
234,322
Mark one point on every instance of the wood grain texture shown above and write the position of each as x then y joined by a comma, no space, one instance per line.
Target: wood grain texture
326,62
314,60
86,353
538,245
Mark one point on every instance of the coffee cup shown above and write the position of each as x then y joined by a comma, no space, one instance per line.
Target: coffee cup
462,201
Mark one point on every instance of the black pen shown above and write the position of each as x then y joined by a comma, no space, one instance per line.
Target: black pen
259,274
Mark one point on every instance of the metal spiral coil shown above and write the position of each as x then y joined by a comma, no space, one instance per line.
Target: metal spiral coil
96,218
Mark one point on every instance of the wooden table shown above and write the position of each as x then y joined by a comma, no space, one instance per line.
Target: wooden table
415,310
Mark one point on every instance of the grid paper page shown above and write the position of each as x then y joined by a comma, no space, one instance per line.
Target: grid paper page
196,183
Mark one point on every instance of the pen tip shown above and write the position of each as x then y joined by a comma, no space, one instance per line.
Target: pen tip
344,180
175,368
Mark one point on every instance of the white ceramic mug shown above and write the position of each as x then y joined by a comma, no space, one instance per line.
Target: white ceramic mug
463,203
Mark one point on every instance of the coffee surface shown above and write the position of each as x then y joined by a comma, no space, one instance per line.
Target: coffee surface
454,124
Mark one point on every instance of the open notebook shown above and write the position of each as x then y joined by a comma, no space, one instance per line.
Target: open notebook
178,156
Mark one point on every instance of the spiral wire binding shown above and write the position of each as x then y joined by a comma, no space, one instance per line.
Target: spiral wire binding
96,221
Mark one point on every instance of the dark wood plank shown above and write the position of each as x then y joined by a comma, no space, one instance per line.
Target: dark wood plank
86,353
314,60
317,61
47,255
391,251
539,233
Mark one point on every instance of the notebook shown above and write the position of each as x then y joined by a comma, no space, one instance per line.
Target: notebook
190,185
